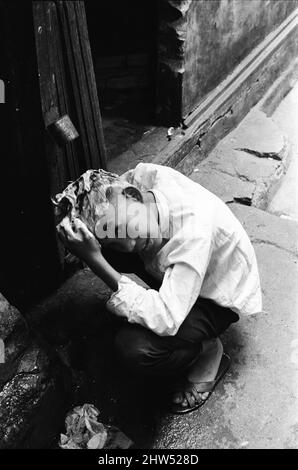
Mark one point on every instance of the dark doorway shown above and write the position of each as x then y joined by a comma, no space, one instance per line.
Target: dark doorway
123,38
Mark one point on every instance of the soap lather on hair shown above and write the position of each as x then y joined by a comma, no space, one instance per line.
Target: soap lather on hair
87,198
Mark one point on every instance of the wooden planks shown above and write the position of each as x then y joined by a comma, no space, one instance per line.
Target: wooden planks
67,86
73,24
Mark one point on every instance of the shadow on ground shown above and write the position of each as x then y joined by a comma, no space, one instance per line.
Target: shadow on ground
79,332
134,404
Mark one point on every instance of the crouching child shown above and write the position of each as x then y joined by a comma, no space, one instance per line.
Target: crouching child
190,242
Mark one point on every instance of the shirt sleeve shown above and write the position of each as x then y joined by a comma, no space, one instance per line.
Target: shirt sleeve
163,311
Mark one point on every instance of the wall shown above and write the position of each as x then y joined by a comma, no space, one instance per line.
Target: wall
219,34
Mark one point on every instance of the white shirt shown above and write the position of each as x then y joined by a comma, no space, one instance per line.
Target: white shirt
209,254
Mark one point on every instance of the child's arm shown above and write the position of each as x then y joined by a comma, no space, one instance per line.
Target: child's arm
162,311
82,243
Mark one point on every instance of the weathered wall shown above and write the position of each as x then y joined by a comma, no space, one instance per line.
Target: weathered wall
170,59
219,34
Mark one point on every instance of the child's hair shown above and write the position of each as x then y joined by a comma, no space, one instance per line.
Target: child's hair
88,197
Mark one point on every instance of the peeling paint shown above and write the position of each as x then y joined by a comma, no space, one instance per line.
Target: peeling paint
181,5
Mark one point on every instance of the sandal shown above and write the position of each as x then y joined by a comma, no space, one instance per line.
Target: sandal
192,388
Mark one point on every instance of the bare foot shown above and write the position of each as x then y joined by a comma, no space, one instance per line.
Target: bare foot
203,370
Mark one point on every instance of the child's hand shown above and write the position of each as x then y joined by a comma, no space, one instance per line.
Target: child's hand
78,239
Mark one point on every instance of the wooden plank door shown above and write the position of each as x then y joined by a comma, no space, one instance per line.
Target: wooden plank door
68,86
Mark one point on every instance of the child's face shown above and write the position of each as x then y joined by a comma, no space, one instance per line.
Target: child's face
129,226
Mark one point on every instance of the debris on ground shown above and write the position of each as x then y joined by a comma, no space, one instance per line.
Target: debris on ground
170,133
84,431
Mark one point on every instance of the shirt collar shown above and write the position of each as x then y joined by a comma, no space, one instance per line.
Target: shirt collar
163,211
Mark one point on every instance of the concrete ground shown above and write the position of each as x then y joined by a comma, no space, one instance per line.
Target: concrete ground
285,202
256,405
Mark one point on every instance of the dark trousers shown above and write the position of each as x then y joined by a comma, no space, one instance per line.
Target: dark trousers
148,353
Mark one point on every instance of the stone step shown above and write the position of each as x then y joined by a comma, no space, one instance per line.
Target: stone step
248,164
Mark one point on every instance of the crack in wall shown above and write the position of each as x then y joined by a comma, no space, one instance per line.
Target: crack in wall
227,113
199,141
211,124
